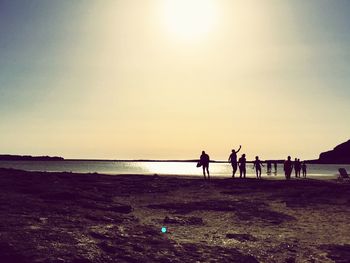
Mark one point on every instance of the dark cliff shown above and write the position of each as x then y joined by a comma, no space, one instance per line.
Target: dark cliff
340,154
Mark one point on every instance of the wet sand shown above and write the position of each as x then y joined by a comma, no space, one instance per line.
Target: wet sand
66,217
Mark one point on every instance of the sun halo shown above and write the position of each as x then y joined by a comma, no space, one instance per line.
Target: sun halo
189,20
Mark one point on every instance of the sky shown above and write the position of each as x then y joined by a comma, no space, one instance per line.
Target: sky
166,79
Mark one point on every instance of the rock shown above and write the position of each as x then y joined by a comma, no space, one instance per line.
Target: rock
241,237
43,220
67,260
118,208
183,220
125,209
288,247
60,196
138,248
97,235
338,253
8,254
102,218
290,260
246,210
105,246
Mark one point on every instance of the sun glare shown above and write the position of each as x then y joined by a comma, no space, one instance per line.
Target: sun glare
189,19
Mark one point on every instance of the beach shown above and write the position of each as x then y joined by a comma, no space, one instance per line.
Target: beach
69,217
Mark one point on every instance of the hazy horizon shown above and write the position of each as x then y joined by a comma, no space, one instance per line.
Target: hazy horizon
166,79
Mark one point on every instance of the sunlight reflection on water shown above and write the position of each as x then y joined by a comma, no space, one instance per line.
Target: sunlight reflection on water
165,168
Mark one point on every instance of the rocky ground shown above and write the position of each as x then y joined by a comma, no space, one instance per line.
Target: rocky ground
81,218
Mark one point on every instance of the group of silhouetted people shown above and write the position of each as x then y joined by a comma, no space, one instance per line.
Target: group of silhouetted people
297,165
288,165
241,164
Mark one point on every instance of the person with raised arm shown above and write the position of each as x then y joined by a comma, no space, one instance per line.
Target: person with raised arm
233,160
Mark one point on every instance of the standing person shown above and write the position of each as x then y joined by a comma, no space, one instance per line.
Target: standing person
233,160
288,167
299,167
296,167
269,166
257,166
275,166
242,166
303,167
204,161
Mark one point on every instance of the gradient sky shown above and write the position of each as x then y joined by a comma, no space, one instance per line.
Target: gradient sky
169,78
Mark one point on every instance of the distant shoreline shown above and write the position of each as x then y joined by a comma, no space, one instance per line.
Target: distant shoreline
9,157
339,155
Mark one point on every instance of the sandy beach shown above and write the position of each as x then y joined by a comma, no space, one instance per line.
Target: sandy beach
66,217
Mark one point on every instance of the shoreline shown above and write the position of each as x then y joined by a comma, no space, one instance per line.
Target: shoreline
57,217
265,177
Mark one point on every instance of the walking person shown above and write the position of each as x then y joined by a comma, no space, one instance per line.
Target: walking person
288,167
204,161
275,166
257,166
242,166
233,160
304,167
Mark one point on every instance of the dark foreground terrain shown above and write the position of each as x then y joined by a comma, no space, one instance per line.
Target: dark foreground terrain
81,218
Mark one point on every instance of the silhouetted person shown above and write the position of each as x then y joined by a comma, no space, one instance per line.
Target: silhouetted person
304,167
297,167
288,167
269,166
242,166
204,160
275,166
233,160
257,166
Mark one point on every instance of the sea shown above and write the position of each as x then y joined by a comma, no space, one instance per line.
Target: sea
316,171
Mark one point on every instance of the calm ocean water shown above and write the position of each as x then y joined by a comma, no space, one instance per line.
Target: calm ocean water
321,171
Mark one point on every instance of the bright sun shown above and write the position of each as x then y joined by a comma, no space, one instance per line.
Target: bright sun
189,19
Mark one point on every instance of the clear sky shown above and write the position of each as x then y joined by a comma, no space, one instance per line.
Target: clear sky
170,78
